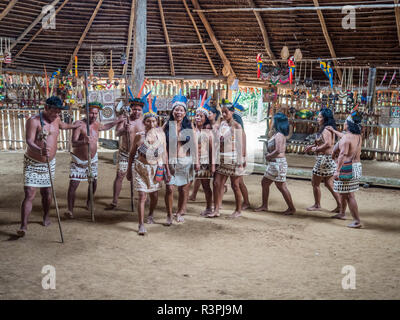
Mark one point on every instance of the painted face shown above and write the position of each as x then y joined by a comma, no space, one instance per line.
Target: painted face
226,113
150,123
52,113
93,113
320,119
200,118
136,112
179,113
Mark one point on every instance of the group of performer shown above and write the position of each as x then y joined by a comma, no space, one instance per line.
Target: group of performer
213,147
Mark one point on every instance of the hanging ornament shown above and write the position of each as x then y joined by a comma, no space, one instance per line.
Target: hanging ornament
259,65
285,53
327,69
298,56
292,68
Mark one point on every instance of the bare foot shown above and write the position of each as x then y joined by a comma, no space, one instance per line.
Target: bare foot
150,219
339,216
68,214
245,206
289,212
168,222
262,208
314,208
142,230
111,206
336,210
179,218
214,214
355,224
192,198
21,232
206,212
46,222
235,215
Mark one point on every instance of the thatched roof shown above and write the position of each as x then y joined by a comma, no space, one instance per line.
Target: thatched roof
375,40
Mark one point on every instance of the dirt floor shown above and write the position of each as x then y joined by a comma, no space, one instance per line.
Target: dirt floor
259,256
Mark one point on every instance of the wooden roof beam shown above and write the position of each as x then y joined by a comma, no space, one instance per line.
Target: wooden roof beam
200,39
227,65
34,23
327,37
397,12
36,34
263,31
8,8
130,30
171,58
78,46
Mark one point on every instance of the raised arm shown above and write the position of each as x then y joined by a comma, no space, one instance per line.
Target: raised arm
108,126
68,126
76,133
338,133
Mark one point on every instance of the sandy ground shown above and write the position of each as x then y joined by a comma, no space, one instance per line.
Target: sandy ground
259,256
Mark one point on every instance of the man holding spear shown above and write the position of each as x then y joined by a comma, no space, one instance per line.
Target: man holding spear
82,167
39,160
127,130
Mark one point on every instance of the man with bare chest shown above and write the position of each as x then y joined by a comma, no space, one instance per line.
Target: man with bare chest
129,127
79,168
45,126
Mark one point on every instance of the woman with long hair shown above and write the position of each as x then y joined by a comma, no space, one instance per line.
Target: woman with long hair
205,153
277,166
182,155
349,169
148,160
232,154
324,167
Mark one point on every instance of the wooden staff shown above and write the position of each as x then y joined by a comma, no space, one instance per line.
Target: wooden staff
128,136
44,135
90,180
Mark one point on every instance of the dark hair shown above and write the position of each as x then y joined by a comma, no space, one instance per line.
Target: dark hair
216,111
329,120
281,123
238,119
54,102
355,126
186,124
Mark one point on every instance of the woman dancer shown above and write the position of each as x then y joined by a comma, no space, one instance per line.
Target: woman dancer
232,160
277,166
182,154
237,116
206,154
349,169
324,167
149,156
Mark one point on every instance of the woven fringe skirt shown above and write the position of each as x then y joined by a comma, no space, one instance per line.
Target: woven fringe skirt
347,186
144,176
79,169
36,174
181,170
324,166
277,170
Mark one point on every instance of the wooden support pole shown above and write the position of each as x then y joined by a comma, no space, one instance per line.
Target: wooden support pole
171,58
10,5
263,31
78,46
200,38
327,37
128,46
34,23
397,12
139,46
36,34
